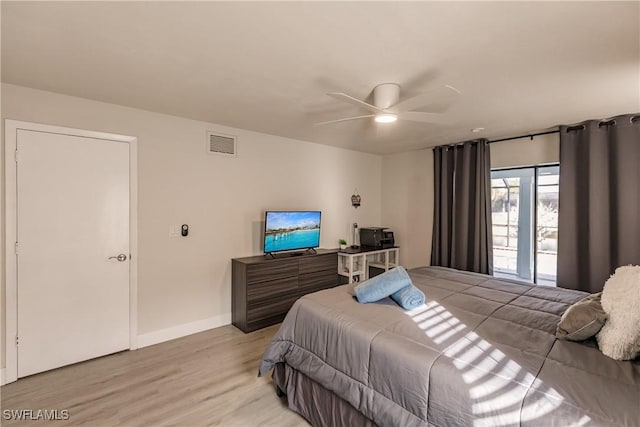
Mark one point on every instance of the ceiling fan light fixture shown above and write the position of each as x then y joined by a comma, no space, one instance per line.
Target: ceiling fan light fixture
385,118
387,107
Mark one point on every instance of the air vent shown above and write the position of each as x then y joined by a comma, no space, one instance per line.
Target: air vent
222,145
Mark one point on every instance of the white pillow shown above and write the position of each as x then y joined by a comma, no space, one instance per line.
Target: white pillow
619,338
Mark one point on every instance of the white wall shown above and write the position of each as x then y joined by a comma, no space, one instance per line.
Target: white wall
407,190
184,280
526,152
407,203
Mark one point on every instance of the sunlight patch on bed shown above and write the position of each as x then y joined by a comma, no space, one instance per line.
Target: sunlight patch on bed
450,333
439,326
425,311
491,375
488,387
493,384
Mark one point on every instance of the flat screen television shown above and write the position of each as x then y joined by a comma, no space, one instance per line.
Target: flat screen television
291,230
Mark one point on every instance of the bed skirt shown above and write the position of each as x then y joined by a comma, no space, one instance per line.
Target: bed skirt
318,405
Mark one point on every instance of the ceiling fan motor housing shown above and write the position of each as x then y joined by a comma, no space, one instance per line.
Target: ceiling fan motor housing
386,95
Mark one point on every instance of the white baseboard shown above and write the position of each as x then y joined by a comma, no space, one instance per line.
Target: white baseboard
179,331
2,377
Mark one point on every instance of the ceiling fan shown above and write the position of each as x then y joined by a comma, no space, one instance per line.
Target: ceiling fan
388,108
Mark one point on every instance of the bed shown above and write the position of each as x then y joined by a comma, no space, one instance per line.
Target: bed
481,352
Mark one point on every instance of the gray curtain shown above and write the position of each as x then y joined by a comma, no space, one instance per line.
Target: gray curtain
462,236
599,212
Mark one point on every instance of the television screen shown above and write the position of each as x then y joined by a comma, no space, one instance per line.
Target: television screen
290,230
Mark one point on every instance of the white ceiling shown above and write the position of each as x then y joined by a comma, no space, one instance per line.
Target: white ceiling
263,66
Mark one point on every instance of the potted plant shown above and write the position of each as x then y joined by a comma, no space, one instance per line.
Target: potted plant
343,244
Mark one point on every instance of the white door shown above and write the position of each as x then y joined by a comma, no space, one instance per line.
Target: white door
72,220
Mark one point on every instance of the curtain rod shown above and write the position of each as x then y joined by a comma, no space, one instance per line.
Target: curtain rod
525,136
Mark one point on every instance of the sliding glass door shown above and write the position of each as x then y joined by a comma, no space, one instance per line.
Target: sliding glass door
524,204
547,224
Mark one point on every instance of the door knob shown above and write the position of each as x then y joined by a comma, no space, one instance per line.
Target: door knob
120,257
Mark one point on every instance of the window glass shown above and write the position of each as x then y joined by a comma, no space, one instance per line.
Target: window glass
547,224
524,206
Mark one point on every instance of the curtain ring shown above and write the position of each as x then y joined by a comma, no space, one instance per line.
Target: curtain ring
611,122
578,127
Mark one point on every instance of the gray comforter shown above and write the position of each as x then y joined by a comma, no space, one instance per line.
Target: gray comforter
480,352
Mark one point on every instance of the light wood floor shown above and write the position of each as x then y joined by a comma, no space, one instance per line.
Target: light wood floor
208,378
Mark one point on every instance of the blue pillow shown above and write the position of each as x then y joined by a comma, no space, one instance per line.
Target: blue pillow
382,285
408,297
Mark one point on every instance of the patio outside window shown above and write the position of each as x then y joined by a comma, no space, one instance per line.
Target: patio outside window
524,206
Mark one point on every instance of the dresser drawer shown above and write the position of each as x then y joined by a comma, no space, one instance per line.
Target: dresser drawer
319,263
271,270
271,289
267,321
312,282
267,309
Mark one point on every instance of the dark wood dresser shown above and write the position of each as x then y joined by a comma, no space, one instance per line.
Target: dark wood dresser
263,289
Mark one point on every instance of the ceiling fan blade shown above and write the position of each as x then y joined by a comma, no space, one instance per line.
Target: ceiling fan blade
354,101
444,92
417,116
344,120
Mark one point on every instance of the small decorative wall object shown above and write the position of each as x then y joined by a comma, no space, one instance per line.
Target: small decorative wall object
355,199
